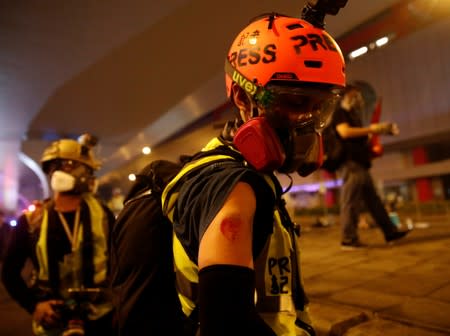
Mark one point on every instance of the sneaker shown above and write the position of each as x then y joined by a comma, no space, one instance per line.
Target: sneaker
396,235
353,245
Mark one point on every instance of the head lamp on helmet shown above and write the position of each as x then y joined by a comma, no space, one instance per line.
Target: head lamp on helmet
71,165
69,149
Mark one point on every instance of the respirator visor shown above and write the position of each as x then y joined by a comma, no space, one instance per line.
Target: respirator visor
291,105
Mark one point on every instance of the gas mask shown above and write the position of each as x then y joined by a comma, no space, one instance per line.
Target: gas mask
296,148
286,136
75,181
62,181
298,119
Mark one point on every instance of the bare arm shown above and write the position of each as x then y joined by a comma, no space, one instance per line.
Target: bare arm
226,275
228,240
346,131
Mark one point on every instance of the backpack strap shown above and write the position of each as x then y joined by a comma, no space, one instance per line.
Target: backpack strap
210,159
300,299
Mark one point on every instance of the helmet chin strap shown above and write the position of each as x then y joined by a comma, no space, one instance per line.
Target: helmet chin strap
255,111
252,111
291,182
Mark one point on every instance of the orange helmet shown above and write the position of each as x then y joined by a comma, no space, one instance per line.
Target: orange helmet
277,48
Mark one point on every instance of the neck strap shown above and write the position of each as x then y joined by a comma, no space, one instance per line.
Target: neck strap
71,235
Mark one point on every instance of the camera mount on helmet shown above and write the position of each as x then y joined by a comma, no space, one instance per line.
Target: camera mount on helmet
315,10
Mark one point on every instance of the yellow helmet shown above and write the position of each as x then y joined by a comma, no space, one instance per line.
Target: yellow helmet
69,149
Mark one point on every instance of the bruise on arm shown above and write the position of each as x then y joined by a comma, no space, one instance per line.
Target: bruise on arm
230,227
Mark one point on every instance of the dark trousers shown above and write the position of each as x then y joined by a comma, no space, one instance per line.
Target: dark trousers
358,189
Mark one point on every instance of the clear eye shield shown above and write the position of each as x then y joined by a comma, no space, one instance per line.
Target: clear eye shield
293,106
287,104
298,115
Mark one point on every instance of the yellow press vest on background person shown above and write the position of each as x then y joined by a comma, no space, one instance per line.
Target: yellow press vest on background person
274,266
99,234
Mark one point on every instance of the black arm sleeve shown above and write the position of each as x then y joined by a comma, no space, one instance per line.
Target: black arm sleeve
19,249
226,302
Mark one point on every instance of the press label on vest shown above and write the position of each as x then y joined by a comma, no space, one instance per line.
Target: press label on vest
279,273
278,264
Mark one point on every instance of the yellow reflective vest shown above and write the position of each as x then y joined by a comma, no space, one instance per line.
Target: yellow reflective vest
99,237
276,267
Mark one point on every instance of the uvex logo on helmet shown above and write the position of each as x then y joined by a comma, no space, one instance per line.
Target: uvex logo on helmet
244,83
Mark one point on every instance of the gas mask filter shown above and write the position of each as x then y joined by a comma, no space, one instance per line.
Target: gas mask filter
304,149
259,144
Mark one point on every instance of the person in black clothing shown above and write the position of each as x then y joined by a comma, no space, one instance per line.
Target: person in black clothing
66,239
358,185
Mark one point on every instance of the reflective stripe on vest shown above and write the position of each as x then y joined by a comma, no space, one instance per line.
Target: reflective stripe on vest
274,276
186,270
99,234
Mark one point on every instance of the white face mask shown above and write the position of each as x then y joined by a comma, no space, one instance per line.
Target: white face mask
62,181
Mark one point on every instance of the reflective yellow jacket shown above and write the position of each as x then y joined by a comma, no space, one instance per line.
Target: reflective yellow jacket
276,268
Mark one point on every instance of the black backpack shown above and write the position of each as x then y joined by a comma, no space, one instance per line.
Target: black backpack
334,152
142,270
143,279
